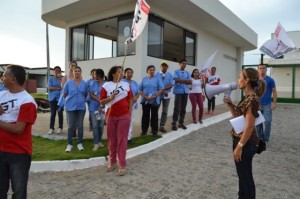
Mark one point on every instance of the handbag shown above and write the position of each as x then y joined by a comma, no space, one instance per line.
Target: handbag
262,146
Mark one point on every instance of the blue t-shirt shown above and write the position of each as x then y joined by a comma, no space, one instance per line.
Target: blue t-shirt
150,86
134,88
89,84
96,90
167,79
181,88
54,82
76,95
2,88
267,97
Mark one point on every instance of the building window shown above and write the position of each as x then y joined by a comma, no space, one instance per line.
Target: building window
102,39
170,42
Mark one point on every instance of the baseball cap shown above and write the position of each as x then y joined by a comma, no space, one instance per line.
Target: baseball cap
164,62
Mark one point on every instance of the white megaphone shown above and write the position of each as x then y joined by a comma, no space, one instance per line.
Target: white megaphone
211,91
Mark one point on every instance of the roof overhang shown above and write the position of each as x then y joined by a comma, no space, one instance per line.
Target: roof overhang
212,16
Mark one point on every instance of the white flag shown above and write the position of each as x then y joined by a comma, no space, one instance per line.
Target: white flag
279,45
207,64
140,19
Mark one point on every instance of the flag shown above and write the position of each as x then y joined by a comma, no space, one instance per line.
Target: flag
207,64
279,45
140,19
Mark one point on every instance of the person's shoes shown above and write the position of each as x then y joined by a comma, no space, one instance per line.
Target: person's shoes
182,126
154,133
143,134
207,113
200,121
162,129
96,147
51,131
100,145
174,128
212,113
130,141
111,168
69,148
122,172
194,122
80,147
59,131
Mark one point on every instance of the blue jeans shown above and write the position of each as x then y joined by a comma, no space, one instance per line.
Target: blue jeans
244,171
54,108
263,131
75,119
14,168
97,126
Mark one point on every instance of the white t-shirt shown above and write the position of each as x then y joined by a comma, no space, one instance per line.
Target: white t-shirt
196,86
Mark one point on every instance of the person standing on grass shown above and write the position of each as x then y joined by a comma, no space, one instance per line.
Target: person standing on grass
182,79
75,92
117,97
54,86
89,83
96,109
212,79
18,112
168,82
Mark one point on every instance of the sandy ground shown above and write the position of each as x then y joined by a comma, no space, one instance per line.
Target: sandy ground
199,165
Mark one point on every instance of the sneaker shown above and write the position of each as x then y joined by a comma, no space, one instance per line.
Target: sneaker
69,148
95,148
174,128
51,131
80,147
162,129
101,145
59,131
182,126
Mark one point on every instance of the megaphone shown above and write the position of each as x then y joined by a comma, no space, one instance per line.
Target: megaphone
211,91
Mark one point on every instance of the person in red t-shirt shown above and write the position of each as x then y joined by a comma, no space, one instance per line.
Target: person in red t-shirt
212,79
18,112
117,97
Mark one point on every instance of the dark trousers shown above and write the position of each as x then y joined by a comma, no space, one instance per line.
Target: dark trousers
211,104
150,111
179,108
14,168
54,108
244,171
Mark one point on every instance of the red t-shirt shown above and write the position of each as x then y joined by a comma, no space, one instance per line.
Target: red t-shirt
120,104
18,108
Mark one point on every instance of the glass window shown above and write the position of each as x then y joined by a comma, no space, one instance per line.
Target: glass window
78,42
190,41
155,34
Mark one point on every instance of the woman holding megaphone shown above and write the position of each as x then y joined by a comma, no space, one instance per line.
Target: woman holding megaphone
245,143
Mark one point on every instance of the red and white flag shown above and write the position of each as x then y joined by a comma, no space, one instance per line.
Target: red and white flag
140,19
208,63
279,45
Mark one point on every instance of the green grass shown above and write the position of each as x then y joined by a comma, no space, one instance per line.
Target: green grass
46,149
39,95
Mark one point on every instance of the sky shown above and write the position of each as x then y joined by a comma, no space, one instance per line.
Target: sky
23,32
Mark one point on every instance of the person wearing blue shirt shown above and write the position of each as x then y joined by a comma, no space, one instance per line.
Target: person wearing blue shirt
136,93
88,97
54,87
267,104
75,92
96,110
182,79
168,82
150,90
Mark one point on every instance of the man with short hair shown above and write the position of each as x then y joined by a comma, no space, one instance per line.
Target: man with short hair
182,79
18,112
267,104
168,82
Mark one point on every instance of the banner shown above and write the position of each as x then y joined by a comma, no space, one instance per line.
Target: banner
207,64
279,45
140,19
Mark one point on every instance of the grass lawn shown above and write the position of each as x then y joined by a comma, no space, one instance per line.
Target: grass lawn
39,95
46,149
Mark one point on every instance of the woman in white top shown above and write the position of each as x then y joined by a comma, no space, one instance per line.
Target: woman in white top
196,96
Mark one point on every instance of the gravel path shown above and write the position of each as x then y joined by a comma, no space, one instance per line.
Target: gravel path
199,165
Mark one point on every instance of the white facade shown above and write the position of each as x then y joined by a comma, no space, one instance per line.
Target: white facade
215,26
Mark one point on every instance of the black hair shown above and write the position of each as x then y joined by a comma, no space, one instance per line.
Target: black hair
112,70
150,66
99,72
18,72
127,69
182,60
57,67
192,75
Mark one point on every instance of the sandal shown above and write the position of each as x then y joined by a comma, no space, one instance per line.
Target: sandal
122,172
111,168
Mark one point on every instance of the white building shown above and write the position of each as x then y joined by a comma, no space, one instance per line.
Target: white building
191,29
